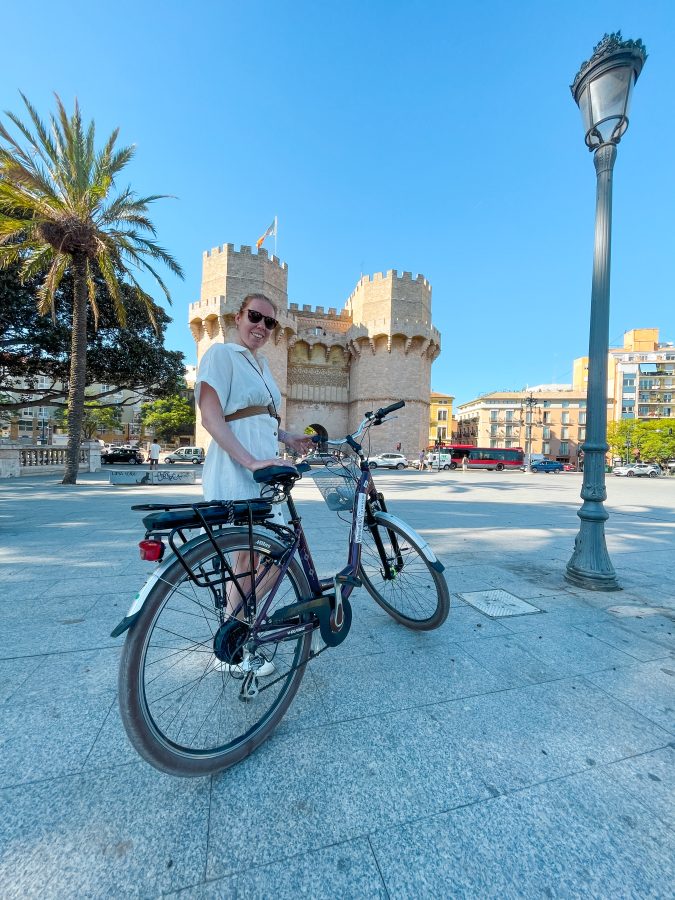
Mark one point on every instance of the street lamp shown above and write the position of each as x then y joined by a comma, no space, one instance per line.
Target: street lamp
602,90
528,404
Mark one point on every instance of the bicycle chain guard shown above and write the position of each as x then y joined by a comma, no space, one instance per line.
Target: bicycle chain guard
324,609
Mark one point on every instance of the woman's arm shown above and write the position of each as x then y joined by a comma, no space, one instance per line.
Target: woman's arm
301,443
222,434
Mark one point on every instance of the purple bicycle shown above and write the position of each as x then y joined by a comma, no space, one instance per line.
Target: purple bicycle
218,639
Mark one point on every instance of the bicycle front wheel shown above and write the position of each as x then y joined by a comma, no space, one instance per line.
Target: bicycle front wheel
401,579
184,710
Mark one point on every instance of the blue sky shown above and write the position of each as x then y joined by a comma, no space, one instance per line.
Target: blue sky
440,138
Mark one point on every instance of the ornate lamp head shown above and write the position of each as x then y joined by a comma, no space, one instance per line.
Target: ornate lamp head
603,85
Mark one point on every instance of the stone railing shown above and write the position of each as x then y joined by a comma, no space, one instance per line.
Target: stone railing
21,459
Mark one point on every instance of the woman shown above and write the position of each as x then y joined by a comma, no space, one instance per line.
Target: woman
233,385
239,402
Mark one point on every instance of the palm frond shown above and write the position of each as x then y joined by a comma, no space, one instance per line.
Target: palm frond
45,146
48,288
107,269
9,254
36,260
91,289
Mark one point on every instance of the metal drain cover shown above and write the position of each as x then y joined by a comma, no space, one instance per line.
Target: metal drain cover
498,604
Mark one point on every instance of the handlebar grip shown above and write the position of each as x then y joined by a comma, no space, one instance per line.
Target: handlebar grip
381,413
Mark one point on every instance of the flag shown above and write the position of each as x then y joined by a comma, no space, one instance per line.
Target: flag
271,230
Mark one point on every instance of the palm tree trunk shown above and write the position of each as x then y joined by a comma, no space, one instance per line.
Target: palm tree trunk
78,369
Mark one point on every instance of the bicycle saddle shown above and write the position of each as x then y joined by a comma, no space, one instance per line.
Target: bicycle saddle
271,474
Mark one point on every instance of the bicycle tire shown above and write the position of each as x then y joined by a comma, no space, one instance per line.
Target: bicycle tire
417,596
220,690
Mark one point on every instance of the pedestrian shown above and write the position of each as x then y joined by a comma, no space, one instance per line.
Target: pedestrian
423,462
153,454
398,447
239,402
465,463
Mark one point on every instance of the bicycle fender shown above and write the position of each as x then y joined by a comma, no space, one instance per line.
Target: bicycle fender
383,518
140,598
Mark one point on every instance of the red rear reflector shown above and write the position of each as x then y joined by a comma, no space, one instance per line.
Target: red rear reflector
151,550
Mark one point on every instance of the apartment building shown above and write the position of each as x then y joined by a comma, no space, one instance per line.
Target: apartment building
549,419
36,425
440,417
640,377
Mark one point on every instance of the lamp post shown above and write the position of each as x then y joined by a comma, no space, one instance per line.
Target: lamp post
528,405
602,90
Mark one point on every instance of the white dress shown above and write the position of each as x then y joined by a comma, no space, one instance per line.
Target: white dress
240,380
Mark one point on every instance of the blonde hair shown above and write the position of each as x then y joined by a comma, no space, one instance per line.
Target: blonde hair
249,297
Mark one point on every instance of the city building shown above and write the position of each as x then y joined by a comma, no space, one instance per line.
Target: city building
548,420
640,376
440,417
331,366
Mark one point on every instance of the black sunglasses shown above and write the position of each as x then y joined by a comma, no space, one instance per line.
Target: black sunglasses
254,316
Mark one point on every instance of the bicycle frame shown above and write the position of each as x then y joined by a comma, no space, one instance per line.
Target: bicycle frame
343,582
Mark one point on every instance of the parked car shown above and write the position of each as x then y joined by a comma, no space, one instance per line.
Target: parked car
648,470
388,461
194,455
319,458
547,465
569,467
129,455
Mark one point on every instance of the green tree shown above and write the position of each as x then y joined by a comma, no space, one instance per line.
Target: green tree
659,441
169,417
637,439
95,416
35,351
60,212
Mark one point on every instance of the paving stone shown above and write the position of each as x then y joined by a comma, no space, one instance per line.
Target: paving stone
13,673
88,672
546,730
648,688
346,870
567,648
336,785
650,778
508,659
406,675
45,740
130,832
581,836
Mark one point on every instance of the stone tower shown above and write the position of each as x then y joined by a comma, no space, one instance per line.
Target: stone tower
331,366
392,345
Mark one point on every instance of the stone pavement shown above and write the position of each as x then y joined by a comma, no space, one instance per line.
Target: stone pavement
530,756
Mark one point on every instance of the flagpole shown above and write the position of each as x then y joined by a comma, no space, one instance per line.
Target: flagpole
275,235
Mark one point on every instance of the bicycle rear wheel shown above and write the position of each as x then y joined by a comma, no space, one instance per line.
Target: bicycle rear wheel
183,710
405,585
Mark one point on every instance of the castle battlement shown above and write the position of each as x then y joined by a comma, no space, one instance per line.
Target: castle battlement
404,280
244,250
318,311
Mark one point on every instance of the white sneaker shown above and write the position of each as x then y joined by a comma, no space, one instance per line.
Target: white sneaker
239,669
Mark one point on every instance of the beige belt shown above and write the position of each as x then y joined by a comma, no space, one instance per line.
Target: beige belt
253,411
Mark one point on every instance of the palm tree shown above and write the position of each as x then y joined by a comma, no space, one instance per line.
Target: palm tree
60,210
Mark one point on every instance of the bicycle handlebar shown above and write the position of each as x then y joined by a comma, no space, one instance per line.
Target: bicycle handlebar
371,418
